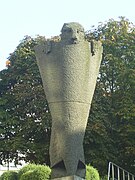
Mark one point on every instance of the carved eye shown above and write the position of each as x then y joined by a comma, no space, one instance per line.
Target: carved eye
67,30
78,31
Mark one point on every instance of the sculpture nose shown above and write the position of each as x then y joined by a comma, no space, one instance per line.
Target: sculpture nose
74,36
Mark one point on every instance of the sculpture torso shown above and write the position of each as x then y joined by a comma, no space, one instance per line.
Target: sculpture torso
65,66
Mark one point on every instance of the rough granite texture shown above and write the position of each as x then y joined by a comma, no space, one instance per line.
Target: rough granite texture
69,178
69,69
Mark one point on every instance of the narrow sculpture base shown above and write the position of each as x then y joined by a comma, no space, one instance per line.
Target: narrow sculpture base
69,178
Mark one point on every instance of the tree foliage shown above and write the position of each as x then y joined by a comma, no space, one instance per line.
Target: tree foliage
113,108
25,121
26,106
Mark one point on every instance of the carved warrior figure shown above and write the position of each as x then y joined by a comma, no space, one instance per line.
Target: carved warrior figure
69,67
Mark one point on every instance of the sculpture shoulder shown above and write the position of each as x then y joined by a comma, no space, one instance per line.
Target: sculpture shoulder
46,46
40,48
95,47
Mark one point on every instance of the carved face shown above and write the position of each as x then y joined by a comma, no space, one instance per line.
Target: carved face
72,33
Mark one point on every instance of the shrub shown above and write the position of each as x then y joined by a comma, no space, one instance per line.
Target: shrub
34,172
29,167
91,173
35,175
9,175
27,175
104,178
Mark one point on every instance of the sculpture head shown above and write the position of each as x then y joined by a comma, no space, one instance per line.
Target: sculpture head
72,33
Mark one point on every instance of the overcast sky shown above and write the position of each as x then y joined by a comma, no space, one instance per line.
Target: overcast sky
46,17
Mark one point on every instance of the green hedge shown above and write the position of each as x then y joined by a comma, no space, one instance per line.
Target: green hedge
91,173
34,175
9,175
26,168
41,172
34,172
104,178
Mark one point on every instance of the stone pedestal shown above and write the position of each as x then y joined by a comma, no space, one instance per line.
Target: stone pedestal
69,178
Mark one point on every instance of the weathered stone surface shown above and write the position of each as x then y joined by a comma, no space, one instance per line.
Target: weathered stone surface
69,69
69,178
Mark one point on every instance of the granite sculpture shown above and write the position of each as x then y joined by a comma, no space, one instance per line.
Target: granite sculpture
69,66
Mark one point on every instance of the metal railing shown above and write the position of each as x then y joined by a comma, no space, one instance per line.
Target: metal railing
117,173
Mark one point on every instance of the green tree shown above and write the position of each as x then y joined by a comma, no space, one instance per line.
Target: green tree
7,126
114,106
27,104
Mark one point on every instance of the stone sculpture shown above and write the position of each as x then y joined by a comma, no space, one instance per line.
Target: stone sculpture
69,66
